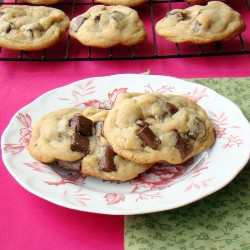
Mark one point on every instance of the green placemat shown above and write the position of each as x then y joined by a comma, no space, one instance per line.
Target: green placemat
219,221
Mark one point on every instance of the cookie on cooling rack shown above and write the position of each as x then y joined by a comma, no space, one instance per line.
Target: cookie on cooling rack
42,2
201,24
129,3
149,128
28,28
107,26
73,139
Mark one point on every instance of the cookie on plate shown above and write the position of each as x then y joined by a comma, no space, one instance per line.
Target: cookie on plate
201,24
107,26
130,3
52,135
73,139
102,162
28,28
149,128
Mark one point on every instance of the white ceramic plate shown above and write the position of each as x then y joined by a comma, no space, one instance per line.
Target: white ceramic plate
161,188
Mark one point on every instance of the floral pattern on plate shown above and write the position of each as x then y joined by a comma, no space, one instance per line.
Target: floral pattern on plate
162,187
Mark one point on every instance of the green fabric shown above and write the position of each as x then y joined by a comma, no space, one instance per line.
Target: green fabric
219,221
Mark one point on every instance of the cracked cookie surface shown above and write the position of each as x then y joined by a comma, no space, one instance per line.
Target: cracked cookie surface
150,128
107,26
201,24
31,27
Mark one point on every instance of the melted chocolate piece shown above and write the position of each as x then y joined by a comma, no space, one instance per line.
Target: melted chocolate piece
98,128
141,123
178,15
172,108
183,146
106,163
31,32
117,15
148,137
197,129
97,19
78,23
70,165
80,144
81,124
197,26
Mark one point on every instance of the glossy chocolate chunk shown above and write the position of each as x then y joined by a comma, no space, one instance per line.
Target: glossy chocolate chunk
148,137
80,143
197,26
78,23
178,15
183,146
106,163
70,165
172,108
81,124
97,19
98,128
117,15
197,129
141,123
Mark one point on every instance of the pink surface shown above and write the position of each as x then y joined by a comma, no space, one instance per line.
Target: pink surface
28,222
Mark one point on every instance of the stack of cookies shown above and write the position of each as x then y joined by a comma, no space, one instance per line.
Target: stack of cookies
24,27
140,131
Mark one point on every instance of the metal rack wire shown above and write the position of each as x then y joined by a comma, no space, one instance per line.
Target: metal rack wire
68,49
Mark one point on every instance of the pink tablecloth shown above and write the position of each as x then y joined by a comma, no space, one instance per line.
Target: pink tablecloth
29,222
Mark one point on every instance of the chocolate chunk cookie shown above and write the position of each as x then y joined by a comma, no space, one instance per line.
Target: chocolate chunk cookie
201,24
31,27
130,3
73,139
101,161
52,136
149,128
107,26
42,2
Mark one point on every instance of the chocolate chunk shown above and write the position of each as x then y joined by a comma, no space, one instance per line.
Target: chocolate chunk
78,23
141,123
98,128
197,129
81,124
117,15
148,137
183,146
70,165
106,163
31,32
8,29
80,144
172,108
178,15
97,19
197,26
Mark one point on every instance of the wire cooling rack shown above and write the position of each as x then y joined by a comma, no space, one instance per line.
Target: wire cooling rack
154,47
